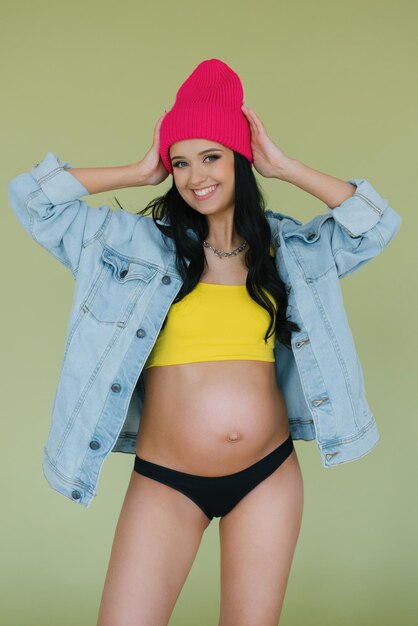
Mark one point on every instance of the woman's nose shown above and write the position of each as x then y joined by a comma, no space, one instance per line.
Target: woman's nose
198,179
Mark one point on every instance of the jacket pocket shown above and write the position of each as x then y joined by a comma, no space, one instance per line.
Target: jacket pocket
120,281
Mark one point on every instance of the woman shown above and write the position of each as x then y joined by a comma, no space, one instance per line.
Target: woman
218,381
214,435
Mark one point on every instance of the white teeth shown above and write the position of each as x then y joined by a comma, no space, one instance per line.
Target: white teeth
204,191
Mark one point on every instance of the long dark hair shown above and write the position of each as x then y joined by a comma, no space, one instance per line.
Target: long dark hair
250,223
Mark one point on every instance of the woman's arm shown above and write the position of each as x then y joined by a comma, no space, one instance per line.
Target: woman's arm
333,191
270,161
98,179
363,223
47,202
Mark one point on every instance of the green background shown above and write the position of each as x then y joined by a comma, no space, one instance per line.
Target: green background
335,84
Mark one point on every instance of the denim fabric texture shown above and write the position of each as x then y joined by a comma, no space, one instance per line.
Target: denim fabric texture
126,280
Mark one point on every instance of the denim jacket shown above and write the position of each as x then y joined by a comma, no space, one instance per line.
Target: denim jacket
125,281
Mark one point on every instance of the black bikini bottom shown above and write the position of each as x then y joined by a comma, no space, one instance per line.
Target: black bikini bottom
217,495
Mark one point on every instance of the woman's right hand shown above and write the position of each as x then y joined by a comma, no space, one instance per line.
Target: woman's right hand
153,170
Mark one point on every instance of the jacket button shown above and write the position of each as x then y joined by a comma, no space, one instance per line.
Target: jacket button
116,387
330,455
320,401
94,445
76,494
140,332
166,279
123,273
310,236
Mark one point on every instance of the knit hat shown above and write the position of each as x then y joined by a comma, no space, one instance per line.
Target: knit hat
208,106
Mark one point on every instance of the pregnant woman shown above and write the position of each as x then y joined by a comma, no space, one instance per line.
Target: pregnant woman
226,322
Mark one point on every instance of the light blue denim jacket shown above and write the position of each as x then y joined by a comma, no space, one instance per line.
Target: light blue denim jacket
126,280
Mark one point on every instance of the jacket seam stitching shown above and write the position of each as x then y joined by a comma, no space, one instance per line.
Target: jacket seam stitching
133,258
351,438
374,206
49,175
375,232
98,234
63,260
101,228
340,357
71,481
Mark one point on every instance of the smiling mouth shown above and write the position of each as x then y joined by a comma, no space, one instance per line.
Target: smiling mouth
207,194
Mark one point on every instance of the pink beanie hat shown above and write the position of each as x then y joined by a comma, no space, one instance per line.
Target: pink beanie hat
208,106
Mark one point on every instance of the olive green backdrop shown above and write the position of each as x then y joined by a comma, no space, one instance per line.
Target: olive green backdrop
335,84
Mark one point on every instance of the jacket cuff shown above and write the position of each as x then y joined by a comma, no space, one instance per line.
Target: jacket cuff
58,185
362,211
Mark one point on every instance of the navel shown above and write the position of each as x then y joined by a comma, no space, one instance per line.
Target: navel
233,436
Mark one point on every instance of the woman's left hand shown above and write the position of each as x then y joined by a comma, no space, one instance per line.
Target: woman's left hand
269,160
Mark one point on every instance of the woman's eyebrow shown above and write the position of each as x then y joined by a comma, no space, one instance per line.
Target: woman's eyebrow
203,152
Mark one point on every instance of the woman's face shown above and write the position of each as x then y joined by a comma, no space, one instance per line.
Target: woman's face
193,170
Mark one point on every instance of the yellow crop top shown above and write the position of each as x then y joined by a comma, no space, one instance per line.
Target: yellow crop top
214,322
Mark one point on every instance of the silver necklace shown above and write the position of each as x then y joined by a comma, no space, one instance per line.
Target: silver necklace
222,254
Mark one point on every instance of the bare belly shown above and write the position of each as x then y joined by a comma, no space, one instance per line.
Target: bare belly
211,418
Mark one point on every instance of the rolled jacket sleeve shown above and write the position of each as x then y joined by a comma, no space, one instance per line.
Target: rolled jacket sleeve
46,201
362,226
55,182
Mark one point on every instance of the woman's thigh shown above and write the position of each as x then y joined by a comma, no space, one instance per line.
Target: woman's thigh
258,539
155,543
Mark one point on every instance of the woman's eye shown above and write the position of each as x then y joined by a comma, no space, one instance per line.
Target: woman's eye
210,156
